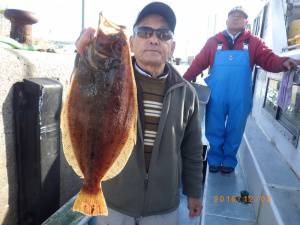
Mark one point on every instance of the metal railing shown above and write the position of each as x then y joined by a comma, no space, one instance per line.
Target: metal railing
66,216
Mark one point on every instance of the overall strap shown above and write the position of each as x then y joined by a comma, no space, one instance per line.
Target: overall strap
220,45
246,44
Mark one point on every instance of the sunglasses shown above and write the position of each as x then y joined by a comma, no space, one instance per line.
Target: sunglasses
162,34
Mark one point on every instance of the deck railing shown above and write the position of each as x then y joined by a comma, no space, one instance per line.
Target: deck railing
66,216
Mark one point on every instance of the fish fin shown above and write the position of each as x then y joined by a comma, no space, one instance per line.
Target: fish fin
108,26
66,140
125,153
91,204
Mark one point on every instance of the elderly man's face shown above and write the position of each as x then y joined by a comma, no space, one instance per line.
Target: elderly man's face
152,50
236,21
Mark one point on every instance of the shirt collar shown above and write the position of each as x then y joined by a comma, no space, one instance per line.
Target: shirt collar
233,37
164,75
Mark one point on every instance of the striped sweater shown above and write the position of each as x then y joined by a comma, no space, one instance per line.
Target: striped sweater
153,91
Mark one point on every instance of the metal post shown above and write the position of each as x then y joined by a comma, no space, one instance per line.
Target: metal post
82,13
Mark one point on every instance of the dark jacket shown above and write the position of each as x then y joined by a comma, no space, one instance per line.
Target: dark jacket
176,157
259,54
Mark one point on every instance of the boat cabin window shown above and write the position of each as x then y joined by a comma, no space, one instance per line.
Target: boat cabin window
290,118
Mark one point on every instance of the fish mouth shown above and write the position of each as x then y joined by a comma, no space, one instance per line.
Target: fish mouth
109,47
109,39
102,54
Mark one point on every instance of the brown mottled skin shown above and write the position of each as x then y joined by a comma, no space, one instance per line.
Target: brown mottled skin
100,107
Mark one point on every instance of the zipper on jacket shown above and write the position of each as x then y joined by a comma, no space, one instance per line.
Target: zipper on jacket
163,118
137,220
146,181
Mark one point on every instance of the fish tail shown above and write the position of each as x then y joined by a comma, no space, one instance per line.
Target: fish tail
92,204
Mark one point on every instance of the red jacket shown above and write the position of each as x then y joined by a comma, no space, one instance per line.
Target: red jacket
259,53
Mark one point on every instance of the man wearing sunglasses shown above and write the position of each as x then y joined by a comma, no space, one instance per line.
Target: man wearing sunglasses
230,56
169,149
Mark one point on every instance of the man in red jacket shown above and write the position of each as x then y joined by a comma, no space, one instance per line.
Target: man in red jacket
231,55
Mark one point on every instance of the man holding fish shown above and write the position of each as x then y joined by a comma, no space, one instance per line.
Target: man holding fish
168,151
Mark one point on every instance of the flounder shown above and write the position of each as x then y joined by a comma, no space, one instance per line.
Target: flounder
99,115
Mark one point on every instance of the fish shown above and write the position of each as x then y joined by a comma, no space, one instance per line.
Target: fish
99,114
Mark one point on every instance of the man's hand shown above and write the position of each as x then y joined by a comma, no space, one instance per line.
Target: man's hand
195,206
290,63
84,38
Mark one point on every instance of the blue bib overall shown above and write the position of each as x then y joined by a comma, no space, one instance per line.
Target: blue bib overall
229,105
